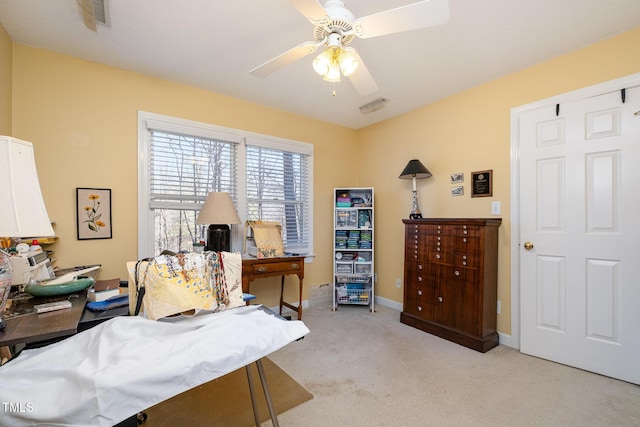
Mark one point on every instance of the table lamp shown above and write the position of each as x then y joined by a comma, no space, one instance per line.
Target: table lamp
218,211
23,212
415,169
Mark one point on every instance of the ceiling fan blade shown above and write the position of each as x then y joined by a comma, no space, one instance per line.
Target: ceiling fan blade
362,79
310,9
289,57
422,14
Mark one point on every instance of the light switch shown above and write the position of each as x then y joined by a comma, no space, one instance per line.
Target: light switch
495,208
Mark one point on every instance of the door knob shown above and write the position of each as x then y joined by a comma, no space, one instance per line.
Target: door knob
528,245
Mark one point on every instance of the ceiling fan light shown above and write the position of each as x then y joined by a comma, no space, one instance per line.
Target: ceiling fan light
322,62
348,62
333,75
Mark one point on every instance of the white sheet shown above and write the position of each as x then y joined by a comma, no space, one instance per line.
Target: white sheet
127,364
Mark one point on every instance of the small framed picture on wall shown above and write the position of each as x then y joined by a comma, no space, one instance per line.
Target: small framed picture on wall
93,213
457,190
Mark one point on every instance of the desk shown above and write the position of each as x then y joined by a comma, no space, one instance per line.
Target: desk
34,327
254,268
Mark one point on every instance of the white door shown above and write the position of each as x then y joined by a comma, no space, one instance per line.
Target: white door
580,233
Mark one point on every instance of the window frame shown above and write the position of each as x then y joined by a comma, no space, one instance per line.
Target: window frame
146,224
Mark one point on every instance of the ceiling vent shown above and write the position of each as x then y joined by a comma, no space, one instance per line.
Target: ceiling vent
374,105
101,10
94,12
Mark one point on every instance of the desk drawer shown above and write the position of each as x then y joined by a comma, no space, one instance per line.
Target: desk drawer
276,267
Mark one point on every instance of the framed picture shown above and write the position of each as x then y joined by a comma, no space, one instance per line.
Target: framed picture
457,177
457,190
482,183
93,213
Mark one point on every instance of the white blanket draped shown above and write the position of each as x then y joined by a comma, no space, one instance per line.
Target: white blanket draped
108,373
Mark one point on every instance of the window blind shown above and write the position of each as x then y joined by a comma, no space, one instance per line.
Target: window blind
278,190
184,169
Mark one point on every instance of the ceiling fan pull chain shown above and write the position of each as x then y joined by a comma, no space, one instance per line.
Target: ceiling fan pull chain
334,89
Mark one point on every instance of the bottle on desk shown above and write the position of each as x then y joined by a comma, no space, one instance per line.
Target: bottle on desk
35,247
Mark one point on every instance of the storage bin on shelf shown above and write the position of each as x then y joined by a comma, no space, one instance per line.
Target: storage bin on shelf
353,290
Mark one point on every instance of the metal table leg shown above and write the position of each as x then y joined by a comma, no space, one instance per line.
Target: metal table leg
267,395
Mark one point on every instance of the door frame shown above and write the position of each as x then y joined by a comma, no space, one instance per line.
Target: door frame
626,82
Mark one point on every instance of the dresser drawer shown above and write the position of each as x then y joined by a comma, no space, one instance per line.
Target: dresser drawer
466,230
438,229
468,245
469,260
275,267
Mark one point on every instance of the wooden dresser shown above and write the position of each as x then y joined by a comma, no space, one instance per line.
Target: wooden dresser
450,279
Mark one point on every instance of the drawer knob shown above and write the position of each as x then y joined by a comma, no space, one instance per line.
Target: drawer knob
438,256
464,240
464,257
295,266
419,292
262,269
419,278
419,308
457,273
464,262
419,266
440,299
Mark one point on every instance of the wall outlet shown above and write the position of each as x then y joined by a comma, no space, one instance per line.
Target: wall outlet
398,282
499,308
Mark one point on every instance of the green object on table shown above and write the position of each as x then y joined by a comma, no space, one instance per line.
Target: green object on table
79,284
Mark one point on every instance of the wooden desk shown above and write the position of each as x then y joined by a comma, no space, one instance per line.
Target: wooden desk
253,268
34,327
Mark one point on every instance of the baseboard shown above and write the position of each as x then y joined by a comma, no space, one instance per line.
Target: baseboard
389,303
506,340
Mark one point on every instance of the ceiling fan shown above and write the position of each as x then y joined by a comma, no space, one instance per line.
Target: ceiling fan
335,27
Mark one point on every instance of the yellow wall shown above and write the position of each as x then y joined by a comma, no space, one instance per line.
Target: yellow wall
5,82
467,132
81,117
82,120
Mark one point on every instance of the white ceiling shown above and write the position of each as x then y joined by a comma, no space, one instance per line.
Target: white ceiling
213,44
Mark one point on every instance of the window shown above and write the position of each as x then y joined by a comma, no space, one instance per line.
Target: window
181,161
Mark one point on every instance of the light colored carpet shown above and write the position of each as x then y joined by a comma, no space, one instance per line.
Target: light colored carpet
226,401
368,369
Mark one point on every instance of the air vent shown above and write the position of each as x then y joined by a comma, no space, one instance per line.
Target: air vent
101,10
94,12
374,105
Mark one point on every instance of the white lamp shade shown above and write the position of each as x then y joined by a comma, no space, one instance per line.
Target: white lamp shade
218,208
23,213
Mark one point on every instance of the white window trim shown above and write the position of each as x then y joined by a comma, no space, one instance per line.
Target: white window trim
194,128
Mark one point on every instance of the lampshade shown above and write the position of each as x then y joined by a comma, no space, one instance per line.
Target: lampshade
415,169
23,213
218,209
